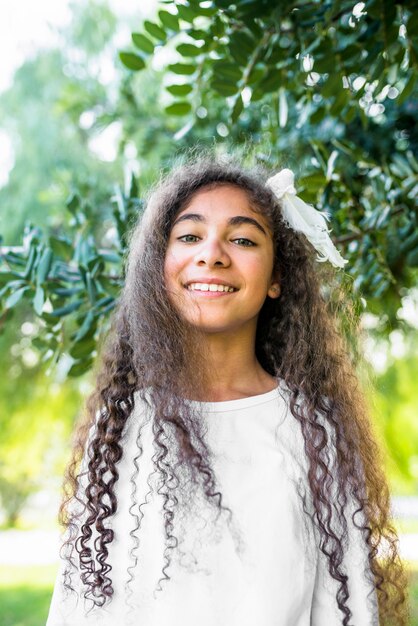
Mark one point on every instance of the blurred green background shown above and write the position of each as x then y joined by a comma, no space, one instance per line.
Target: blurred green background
95,109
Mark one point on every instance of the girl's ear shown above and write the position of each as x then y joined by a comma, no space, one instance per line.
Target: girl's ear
274,291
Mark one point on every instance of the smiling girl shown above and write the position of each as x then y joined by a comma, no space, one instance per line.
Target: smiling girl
227,474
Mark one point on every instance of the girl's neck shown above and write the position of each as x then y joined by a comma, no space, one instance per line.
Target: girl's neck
233,372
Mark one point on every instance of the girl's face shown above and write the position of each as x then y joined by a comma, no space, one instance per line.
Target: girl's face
218,242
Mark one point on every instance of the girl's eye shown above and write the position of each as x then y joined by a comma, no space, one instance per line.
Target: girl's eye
184,237
247,243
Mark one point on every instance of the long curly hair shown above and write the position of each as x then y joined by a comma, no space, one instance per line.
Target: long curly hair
153,354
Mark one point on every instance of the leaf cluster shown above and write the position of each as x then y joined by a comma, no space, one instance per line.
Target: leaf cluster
71,282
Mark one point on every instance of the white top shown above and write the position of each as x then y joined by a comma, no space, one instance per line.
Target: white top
264,570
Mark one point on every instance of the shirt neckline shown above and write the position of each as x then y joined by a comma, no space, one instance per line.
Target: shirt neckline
239,403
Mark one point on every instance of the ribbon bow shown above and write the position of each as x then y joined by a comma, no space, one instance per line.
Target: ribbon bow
304,218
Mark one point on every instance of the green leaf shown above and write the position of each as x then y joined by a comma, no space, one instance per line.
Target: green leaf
132,61
207,11
349,114
271,82
103,302
257,94
83,348
224,88
15,259
318,116
30,263
377,69
186,13
182,68
111,257
87,328
143,43
245,40
169,20
39,299
108,308
155,30
6,277
325,64
313,182
412,258
72,203
241,47
403,165
179,90
179,108
223,70
12,286
238,55
61,247
407,90
188,50
64,292
333,86
253,26
44,266
410,242
14,298
96,266
80,367
109,286
91,288
68,308
196,33
256,74
237,108
339,103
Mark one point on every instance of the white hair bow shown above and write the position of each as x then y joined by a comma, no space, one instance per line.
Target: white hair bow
304,218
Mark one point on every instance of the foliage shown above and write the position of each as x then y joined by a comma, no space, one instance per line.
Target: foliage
52,156
68,278
37,415
395,398
333,80
54,159
310,76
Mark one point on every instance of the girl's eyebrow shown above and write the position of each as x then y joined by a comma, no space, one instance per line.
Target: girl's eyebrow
233,221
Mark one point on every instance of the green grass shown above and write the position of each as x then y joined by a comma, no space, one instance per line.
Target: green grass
25,594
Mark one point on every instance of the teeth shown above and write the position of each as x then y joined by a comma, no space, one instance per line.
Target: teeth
209,287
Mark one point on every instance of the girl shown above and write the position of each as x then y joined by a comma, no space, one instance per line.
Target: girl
227,474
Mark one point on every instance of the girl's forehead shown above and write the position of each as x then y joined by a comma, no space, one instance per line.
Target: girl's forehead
223,200
219,194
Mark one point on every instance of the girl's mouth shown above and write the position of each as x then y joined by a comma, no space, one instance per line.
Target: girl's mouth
210,289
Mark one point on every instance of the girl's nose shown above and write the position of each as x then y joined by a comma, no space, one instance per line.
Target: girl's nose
212,252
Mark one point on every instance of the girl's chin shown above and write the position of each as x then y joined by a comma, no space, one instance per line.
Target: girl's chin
212,326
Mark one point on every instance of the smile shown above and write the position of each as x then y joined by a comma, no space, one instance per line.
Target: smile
210,287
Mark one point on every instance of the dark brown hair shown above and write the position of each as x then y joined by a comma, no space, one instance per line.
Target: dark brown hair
150,352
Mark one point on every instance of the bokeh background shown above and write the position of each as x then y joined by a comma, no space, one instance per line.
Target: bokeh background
96,99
